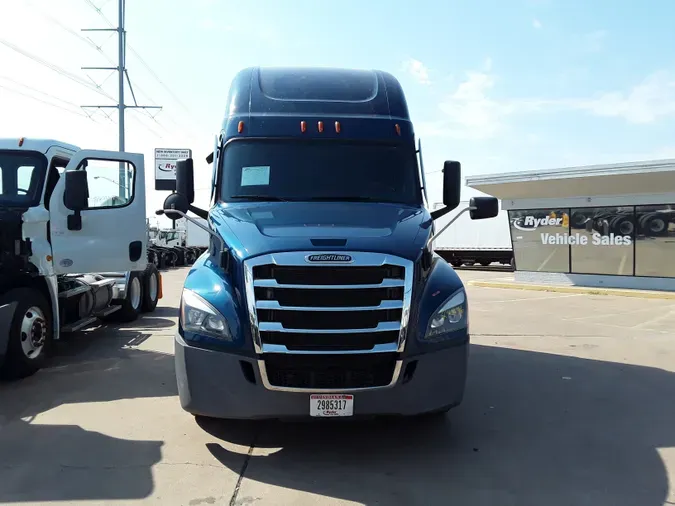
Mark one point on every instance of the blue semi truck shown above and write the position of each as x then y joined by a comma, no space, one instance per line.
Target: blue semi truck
320,294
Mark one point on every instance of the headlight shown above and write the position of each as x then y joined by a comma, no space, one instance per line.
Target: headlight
202,318
450,316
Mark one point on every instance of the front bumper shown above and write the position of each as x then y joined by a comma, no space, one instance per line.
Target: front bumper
215,384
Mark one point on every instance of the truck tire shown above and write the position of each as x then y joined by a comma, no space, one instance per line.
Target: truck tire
622,225
133,300
150,289
654,225
161,260
30,334
180,257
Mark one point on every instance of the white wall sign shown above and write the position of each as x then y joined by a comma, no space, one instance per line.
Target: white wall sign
578,239
165,166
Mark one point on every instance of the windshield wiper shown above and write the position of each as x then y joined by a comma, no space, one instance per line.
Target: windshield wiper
260,198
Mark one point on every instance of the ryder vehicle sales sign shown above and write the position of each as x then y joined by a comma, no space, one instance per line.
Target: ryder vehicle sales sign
165,166
553,238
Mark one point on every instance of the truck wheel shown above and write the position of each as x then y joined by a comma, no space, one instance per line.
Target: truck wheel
150,289
30,333
133,299
161,262
656,226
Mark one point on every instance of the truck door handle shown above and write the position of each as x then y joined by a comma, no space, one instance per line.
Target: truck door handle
135,250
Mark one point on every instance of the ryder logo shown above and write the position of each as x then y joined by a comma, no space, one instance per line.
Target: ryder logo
530,223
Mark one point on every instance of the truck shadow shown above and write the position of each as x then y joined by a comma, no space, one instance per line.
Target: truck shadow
107,339
534,429
45,457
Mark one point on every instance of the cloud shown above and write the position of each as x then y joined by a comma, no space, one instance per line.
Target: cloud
647,102
471,111
417,70
537,24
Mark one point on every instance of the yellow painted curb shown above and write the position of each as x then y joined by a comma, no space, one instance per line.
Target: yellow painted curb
642,294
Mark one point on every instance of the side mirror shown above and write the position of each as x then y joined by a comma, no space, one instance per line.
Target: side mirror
76,195
452,184
185,180
176,201
483,207
452,188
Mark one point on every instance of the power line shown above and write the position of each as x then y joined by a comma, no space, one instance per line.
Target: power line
165,114
152,131
99,48
23,85
55,68
86,40
140,59
45,102
90,42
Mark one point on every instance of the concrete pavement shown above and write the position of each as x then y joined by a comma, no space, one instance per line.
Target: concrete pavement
568,402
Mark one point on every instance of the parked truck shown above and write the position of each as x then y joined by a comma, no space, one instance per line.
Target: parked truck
65,261
174,241
320,294
468,242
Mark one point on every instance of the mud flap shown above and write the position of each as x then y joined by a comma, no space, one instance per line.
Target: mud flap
6,314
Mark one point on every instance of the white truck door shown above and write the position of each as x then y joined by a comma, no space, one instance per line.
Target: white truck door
112,234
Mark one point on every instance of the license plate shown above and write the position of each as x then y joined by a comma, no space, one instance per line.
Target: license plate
331,405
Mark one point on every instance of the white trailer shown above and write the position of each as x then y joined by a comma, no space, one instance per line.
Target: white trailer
197,237
468,241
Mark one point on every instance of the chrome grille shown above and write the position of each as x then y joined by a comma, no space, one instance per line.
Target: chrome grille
300,308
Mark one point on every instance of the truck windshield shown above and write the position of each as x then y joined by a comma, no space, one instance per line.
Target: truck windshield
21,177
319,170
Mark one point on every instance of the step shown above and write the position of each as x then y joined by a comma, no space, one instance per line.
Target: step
79,325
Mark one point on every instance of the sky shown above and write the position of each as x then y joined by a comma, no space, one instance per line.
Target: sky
500,85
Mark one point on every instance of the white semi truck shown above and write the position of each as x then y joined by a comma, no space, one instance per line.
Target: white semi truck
469,242
73,251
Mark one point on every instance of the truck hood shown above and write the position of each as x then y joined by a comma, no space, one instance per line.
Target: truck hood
252,229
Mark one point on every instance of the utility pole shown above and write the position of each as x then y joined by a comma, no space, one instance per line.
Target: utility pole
122,73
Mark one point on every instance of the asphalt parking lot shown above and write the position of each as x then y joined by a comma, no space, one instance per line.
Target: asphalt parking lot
569,402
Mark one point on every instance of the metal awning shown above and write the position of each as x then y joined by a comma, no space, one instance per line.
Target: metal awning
657,176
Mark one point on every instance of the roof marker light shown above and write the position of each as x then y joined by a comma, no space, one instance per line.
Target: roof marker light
21,141
240,127
398,129
337,126
303,126
320,126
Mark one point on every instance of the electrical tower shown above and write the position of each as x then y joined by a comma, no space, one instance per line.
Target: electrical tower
122,74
